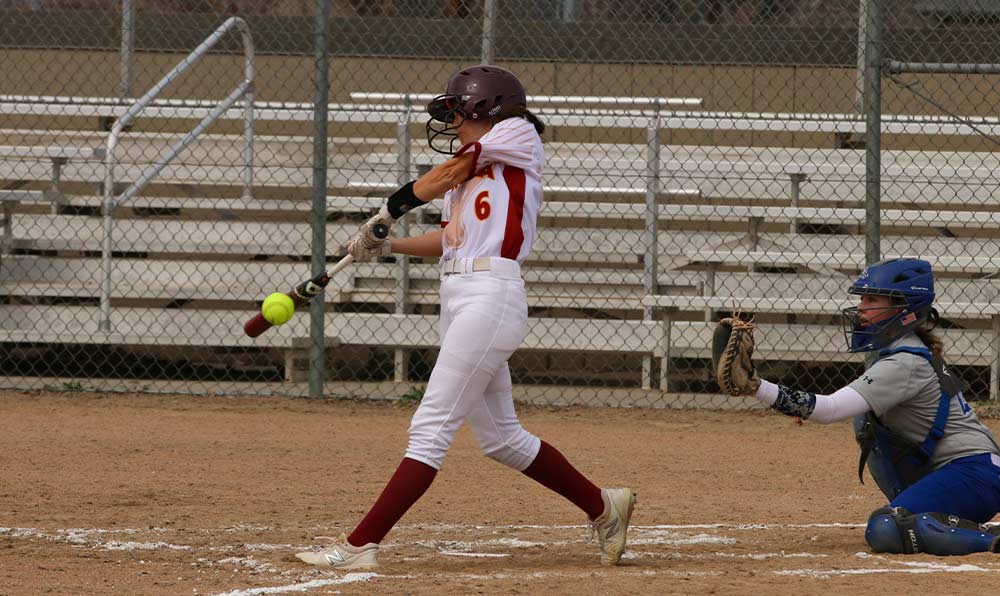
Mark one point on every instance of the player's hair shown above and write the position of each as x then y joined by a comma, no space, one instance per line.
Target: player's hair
930,338
519,111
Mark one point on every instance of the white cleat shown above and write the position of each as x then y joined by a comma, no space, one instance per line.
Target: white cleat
343,555
611,526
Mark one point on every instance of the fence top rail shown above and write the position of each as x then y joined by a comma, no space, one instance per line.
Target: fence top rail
80,100
392,102
51,151
964,264
17,196
238,209
558,114
187,327
803,305
364,185
588,100
390,98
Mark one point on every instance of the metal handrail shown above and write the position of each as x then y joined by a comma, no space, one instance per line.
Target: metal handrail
244,90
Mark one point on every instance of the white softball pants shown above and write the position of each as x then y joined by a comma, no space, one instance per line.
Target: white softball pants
483,320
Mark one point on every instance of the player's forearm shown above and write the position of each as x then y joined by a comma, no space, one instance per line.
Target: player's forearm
427,245
843,404
443,176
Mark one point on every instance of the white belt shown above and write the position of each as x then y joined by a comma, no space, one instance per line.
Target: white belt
498,265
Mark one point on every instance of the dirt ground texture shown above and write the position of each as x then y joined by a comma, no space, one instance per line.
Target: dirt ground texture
141,494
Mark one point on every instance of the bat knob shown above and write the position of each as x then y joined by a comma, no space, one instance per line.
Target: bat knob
380,230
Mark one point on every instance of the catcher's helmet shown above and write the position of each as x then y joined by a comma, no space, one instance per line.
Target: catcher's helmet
910,285
475,93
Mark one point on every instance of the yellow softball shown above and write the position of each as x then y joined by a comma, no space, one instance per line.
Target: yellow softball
278,308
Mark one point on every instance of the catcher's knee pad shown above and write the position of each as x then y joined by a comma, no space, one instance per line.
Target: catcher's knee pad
886,534
516,452
895,530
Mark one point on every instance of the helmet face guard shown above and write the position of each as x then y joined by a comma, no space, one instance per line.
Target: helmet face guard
908,283
864,335
442,110
481,93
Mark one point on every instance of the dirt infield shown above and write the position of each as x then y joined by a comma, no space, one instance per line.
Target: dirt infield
185,495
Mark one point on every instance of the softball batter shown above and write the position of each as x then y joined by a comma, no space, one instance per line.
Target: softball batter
492,188
936,463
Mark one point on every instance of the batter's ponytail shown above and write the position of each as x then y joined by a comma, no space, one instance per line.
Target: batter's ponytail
533,119
522,112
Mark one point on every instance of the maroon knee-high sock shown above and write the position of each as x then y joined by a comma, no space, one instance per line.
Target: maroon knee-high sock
410,481
551,470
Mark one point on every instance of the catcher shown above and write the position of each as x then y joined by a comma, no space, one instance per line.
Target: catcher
937,464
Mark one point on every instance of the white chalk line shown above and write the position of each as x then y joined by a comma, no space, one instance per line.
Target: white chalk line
465,545
661,535
448,527
86,537
634,554
910,567
828,573
913,567
349,578
455,553
715,526
365,577
657,534
902,561
645,537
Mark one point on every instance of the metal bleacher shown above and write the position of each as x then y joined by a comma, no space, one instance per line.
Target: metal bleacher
191,260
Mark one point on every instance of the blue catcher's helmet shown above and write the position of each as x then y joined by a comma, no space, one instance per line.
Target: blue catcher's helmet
910,285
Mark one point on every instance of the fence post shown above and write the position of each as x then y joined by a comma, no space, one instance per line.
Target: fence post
796,181
995,364
859,73
489,30
649,261
667,329
317,352
249,77
873,130
403,271
873,139
108,225
126,63
567,11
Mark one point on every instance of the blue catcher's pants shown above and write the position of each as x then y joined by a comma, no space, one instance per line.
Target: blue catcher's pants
940,514
968,487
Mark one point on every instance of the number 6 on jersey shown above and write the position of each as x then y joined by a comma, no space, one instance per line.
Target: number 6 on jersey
482,206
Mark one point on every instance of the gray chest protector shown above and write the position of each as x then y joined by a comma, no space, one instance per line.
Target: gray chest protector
894,461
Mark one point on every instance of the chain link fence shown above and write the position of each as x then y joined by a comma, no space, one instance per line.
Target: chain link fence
702,156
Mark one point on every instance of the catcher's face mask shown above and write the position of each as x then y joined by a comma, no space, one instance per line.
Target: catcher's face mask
869,327
875,309
441,127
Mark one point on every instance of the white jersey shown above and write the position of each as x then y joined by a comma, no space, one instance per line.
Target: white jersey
495,213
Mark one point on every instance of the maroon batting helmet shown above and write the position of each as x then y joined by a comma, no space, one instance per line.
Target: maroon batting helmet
475,93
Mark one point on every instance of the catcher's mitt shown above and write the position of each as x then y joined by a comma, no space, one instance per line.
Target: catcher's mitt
732,350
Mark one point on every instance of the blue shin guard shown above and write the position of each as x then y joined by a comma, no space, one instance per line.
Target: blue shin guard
895,530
